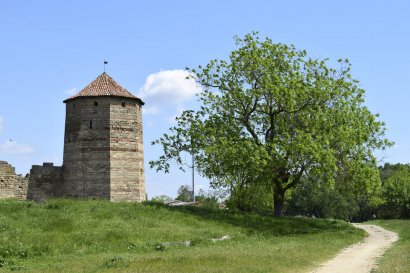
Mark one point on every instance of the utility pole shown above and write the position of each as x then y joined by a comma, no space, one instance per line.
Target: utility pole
193,169
193,176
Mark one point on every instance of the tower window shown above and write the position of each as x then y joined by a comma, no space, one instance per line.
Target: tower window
95,103
123,104
91,124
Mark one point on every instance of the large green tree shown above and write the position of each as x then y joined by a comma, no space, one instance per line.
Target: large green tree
271,115
395,191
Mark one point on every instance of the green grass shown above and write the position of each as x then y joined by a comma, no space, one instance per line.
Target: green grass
397,258
99,236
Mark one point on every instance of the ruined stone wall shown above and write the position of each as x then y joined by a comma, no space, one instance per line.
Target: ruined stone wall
12,185
126,151
86,169
44,182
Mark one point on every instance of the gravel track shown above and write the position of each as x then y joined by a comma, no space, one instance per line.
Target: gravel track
361,257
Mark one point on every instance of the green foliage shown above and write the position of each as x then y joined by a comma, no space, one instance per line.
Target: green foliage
161,198
185,193
16,250
250,197
270,116
352,195
123,237
207,200
312,198
395,191
360,185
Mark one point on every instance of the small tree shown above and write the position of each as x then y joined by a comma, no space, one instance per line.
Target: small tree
396,191
184,193
319,199
354,193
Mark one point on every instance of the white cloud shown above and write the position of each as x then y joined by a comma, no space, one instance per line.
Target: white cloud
13,147
179,110
71,91
150,123
1,124
150,110
168,87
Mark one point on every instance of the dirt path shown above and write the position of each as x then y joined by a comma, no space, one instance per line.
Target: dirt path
361,257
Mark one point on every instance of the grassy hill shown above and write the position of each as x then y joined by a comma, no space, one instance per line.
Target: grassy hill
99,236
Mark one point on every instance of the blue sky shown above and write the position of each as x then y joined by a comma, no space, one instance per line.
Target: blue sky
51,49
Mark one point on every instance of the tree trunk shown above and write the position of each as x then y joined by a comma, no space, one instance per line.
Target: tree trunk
278,202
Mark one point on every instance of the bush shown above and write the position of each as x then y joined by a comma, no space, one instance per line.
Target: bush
319,200
253,197
395,191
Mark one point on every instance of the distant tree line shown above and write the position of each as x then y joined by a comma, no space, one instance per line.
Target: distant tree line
385,195
388,199
210,199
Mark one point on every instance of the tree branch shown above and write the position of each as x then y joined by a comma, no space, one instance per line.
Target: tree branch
296,179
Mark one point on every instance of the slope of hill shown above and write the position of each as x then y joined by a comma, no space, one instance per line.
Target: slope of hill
99,236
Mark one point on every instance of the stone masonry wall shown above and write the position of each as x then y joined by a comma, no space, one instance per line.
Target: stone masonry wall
86,148
12,185
44,182
126,151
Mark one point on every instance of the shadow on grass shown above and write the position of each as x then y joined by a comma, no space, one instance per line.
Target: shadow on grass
263,223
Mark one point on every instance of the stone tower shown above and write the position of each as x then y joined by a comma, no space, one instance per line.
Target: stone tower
103,149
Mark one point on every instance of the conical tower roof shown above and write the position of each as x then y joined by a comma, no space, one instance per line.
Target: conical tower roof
104,86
